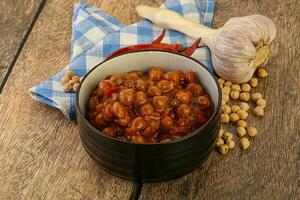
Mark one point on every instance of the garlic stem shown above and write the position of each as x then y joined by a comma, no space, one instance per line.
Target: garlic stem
172,20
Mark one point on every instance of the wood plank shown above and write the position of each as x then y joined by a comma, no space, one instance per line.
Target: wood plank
41,155
269,169
15,19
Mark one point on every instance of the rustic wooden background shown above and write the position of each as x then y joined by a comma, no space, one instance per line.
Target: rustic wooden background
40,152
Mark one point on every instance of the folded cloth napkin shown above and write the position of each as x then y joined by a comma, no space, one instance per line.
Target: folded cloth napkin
95,35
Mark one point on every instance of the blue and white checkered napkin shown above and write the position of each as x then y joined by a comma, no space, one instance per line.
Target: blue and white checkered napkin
95,35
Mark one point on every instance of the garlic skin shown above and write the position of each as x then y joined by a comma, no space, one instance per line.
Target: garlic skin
237,48
241,46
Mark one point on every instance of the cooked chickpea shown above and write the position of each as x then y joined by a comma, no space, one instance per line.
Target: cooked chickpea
99,120
220,133
255,96
261,103
138,139
160,102
251,131
172,76
167,122
231,144
93,102
195,88
234,95
242,114
235,87
246,87
110,131
165,85
228,83
225,97
175,103
126,97
141,85
219,141
183,110
118,110
244,143
258,111
147,109
154,91
183,97
235,108
107,113
224,118
138,124
67,87
227,136
190,76
124,121
221,81
253,82
241,131
226,109
140,98
245,96
203,102
233,117
226,90
223,149
65,79
242,123
70,74
262,73
244,106
155,73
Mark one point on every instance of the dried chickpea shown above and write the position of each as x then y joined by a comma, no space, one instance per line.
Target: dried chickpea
227,136
225,97
70,74
235,108
234,95
75,79
80,78
241,123
246,87
241,131
75,87
226,109
233,117
226,90
245,96
220,133
223,102
262,73
219,141
258,111
223,149
221,81
228,83
231,144
67,87
253,82
261,103
65,79
242,114
244,143
251,131
244,106
235,87
255,96
224,118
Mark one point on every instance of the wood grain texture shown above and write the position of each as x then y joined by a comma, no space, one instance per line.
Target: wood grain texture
270,169
15,19
41,155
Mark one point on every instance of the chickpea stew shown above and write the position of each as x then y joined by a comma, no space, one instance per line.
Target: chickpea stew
152,107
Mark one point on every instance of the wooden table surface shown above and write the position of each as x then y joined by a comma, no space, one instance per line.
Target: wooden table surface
41,156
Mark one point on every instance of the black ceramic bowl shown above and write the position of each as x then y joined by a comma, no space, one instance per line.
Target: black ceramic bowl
148,162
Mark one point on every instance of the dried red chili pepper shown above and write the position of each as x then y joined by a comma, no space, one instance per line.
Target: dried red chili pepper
157,45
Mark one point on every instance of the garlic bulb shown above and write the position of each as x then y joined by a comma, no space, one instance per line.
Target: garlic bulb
237,48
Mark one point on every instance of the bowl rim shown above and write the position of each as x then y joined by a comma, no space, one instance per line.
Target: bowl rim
187,136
